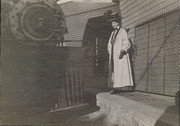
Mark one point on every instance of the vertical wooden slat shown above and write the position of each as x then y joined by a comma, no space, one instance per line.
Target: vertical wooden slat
64,95
60,99
81,85
62,103
72,86
68,88
71,94
77,86
74,82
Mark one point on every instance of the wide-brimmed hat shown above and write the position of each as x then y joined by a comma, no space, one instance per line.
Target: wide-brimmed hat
114,17
110,17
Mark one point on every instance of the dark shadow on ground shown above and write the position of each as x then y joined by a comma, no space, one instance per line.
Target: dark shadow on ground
171,115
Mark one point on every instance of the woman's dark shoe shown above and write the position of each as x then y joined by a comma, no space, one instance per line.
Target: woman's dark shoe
114,92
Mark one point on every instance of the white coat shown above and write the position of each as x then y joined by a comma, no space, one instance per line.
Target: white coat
122,75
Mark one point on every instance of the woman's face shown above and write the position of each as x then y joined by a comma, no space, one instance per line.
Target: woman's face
114,24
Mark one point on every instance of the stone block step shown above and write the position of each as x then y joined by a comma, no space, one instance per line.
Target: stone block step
136,109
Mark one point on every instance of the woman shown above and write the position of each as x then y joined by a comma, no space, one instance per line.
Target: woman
120,74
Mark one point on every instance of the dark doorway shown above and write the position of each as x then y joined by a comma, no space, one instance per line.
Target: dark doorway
97,33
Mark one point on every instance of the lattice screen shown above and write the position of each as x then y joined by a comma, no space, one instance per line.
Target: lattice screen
157,60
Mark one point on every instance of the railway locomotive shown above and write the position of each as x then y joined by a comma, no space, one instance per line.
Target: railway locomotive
36,22
36,72
40,73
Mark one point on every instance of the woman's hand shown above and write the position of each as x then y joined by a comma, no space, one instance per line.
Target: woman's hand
122,53
120,56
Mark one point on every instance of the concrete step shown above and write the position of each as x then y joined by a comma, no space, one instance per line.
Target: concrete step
136,109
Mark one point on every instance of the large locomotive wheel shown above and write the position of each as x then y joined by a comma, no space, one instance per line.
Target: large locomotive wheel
37,21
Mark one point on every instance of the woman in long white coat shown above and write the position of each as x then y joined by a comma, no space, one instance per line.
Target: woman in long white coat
120,74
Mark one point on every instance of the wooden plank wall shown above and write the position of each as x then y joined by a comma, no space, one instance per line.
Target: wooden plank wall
78,13
135,12
162,75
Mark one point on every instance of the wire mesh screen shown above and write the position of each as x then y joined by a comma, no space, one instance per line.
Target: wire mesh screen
157,61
